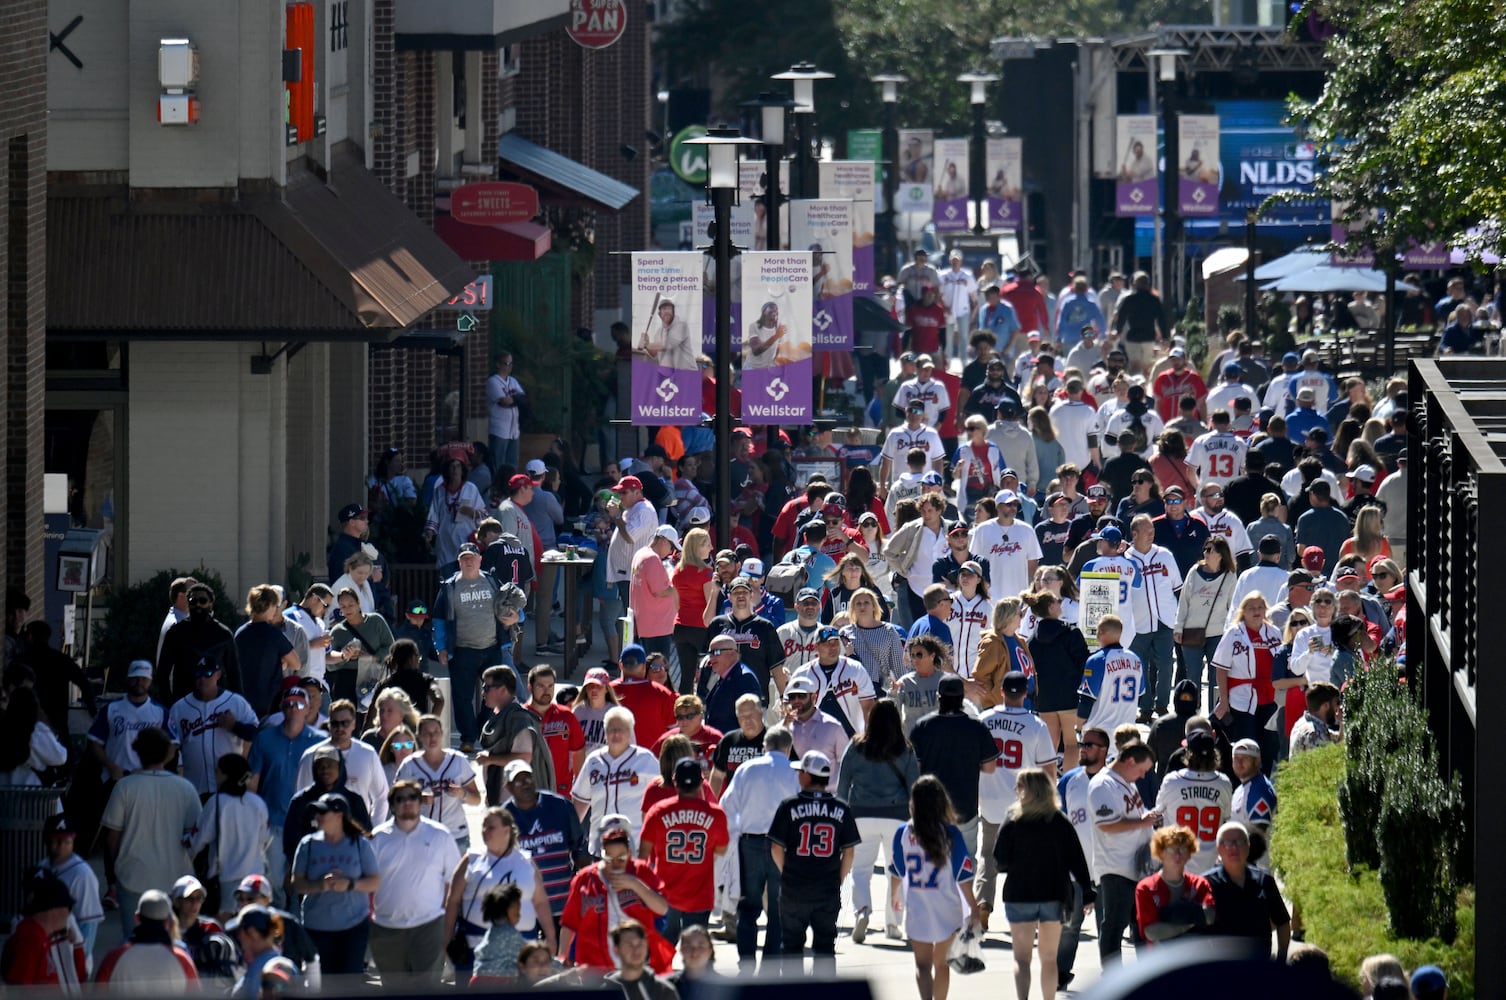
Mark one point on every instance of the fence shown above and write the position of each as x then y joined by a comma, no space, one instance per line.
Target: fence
1456,548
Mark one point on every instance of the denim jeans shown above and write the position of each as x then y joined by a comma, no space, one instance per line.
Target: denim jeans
1116,911
465,674
1066,951
675,921
504,452
820,916
1197,659
342,953
758,873
1154,650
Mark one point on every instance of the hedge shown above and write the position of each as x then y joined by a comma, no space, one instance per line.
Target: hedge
1345,913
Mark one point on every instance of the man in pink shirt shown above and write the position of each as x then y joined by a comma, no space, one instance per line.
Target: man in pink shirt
652,598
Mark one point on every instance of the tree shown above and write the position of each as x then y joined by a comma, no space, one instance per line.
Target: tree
1405,123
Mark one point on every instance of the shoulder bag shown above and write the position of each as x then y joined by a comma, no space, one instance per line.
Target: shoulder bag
1198,636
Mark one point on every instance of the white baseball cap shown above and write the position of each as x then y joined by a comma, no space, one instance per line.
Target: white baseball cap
140,668
535,467
816,764
753,569
669,534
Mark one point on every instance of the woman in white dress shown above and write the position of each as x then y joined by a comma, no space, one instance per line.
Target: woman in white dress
930,878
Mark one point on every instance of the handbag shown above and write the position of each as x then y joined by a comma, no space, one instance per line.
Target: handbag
966,954
1198,636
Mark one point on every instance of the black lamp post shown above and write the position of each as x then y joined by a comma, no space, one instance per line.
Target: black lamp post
889,236
771,111
977,164
721,186
1163,63
803,77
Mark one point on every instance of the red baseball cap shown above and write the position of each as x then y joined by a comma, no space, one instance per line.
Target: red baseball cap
628,483
1312,558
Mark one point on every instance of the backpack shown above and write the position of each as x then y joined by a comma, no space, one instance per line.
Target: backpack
788,577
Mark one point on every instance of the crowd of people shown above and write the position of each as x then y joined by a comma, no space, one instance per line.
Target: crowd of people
1040,645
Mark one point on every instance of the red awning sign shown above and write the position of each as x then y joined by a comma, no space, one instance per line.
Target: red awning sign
596,24
490,203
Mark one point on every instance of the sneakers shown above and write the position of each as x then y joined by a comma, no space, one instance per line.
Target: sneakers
112,899
860,926
1063,980
893,933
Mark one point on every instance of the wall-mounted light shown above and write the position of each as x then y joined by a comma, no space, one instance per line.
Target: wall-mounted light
178,75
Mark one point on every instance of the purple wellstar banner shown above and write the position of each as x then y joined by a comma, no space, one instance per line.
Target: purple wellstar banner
1006,165
844,179
1135,188
701,215
1198,174
666,310
950,190
824,229
777,338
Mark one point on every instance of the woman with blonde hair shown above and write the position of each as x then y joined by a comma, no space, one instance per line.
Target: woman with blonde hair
1001,650
359,568
694,582
393,709
1037,849
1243,662
845,579
1367,539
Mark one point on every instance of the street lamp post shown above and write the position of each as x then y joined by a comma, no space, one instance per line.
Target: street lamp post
890,83
803,77
1162,64
977,165
771,110
721,186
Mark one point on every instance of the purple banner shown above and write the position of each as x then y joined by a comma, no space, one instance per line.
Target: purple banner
862,268
665,395
778,395
1198,174
1137,180
1005,161
1427,257
853,179
824,228
950,193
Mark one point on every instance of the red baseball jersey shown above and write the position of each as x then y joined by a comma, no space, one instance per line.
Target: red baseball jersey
683,835
564,735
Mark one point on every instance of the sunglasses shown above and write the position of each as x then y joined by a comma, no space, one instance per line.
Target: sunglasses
1322,600
419,610
405,745
342,723
720,652
1173,500
1090,743
410,797
686,717
202,602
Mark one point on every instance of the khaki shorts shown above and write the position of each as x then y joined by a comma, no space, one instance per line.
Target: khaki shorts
1140,355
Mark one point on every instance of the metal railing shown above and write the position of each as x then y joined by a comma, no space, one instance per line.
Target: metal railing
1456,544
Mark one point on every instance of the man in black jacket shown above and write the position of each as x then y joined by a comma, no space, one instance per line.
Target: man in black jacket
200,638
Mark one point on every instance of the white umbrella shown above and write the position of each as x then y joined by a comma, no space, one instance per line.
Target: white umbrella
1298,260
1328,278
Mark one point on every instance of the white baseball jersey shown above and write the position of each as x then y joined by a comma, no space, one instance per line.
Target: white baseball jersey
931,392
1224,523
1114,679
364,774
314,629
615,785
969,619
1155,601
848,682
115,729
799,642
1111,799
1073,789
1223,395
1075,422
1023,741
1218,457
1008,552
901,439
1201,801
204,742
1122,420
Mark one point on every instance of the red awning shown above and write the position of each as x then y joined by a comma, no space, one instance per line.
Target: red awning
507,241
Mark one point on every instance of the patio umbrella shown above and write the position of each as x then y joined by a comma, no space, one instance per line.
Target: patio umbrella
1298,260
1328,278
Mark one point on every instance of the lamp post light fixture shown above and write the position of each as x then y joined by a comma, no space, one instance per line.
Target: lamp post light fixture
803,77
771,115
889,238
977,165
1161,65
721,187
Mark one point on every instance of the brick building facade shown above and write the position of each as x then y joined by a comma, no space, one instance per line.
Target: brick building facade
23,255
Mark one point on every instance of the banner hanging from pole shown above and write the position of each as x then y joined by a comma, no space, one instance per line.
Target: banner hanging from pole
1137,181
750,192
1199,173
1338,232
1006,167
823,228
949,207
913,193
701,215
777,342
853,179
666,331
868,144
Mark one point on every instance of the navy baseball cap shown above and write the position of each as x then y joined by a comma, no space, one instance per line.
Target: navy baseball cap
808,594
1015,682
1111,535
635,652
688,774
1231,369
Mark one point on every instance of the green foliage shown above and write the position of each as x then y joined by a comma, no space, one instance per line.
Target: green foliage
1230,318
1345,912
1413,93
740,45
130,628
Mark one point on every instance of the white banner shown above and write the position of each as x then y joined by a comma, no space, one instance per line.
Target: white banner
913,193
